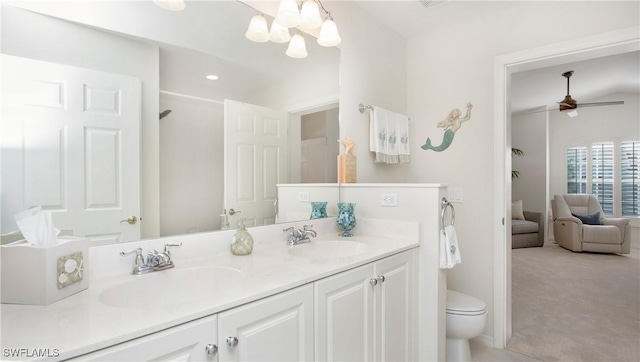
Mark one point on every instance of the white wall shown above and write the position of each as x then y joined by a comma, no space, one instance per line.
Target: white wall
529,133
191,157
373,70
35,36
453,64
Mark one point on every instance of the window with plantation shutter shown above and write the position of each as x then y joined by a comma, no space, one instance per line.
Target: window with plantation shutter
602,178
577,170
630,178
611,172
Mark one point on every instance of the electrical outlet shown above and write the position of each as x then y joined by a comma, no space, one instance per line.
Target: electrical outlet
388,199
303,196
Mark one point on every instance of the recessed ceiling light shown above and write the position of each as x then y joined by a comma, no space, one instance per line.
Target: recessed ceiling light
212,77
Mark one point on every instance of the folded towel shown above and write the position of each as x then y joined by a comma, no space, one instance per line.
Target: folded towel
389,136
449,251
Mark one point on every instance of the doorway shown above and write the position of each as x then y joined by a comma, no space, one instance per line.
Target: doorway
616,42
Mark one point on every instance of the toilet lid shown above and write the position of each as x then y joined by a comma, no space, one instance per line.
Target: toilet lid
460,303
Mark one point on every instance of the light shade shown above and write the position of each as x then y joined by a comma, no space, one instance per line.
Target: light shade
258,30
174,5
288,13
297,47
279,33
310,15
329,36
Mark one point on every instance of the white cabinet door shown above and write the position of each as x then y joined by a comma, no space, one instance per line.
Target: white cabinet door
345,316
278,328
395,312
188,342
367,314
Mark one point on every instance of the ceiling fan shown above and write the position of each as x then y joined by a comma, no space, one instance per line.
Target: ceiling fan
568,103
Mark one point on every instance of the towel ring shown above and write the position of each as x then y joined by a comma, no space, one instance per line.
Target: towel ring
446,204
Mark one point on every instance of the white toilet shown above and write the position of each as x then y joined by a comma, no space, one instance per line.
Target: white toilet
466,319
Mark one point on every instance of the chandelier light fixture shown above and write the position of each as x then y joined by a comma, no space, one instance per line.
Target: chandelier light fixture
297,47
291,14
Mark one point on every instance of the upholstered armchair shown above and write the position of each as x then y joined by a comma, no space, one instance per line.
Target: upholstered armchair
579,225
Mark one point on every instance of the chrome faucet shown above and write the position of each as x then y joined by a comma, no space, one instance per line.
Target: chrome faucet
300,236
155,261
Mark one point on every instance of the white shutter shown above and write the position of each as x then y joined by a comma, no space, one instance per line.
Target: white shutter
602,178
630,177
577,170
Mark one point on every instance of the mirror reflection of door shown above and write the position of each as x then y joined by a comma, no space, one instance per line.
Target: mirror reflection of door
255,148
70,143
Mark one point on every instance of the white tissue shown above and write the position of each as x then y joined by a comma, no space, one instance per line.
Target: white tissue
37,227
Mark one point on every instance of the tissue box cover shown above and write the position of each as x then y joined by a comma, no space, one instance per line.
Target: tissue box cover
42,275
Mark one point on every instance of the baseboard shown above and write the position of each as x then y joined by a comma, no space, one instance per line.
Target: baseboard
485,340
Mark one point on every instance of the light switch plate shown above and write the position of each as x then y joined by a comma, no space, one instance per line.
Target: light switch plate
455,194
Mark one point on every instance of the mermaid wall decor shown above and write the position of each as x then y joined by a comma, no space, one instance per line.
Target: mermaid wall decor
451,125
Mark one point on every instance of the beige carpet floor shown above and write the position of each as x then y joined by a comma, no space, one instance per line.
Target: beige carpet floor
575,306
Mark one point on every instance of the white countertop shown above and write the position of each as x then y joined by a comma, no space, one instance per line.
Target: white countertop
82,323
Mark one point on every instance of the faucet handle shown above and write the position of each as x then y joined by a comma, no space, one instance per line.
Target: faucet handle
167,246
308,227
139,259
289,229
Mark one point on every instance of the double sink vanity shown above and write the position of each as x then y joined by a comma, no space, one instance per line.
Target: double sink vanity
331,298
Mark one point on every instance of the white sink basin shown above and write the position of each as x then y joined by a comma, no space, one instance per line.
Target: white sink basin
327,250
172,287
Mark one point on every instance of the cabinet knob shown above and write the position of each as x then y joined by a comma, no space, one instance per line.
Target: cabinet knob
381,278
232,342
373,282
211,349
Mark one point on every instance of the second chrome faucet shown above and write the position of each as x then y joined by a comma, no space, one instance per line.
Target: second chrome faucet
299,236
155,261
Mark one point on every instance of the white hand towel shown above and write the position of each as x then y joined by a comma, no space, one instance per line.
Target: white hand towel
389,136
402,132
449,250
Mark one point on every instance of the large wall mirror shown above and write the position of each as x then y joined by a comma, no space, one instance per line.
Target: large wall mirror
165,56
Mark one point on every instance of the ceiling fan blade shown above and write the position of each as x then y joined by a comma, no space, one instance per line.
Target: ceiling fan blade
535,111
596,104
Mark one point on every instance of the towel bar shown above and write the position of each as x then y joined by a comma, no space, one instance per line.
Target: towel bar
362,107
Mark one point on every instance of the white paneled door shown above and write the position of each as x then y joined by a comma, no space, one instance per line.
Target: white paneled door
255,160
70,143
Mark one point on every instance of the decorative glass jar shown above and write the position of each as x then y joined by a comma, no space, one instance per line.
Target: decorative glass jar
318,210
346,218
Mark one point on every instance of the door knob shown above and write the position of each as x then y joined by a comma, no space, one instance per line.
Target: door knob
131,220
381,278
233,212
211,349
232,342
373,282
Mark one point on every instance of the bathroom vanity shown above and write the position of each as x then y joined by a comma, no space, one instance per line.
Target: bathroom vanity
330,299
